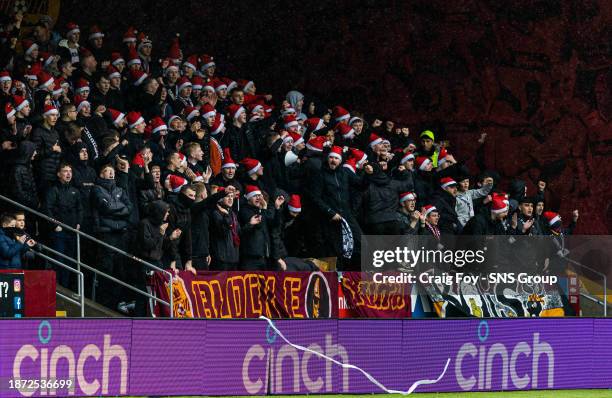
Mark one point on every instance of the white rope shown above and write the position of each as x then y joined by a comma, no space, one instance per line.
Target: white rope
366,374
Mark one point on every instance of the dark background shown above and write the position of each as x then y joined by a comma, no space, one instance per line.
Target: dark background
535,75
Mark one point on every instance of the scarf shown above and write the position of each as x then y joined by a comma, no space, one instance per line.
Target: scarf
435,231
234,230
347,240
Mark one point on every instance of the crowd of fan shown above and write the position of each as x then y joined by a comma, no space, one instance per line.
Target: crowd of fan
187,169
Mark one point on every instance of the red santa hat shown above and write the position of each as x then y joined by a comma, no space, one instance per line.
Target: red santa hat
47,58
407,156
552,218
130,35
197,82
80,103
158,126
442,156
422,162
234,111
116,116
133,57
44,79
295,203
143,40
316,144
50,110
218,125
95,32
251,165
219,85
354,119
9,110
138,160
228,162
5,76
116,59
184,82
82,85
231,84
20,102
134,119
191,112
335,152
191,62
374,140
428,209
407,196
137,77
32,71
290,121
345,130
251,191
351,164
288,138
208,86
206,61
359,156
297,138
176,182
288,111
313,124
183,159
499,204
28,46
174,53
112,72
207,110
71,28
339,114
447,182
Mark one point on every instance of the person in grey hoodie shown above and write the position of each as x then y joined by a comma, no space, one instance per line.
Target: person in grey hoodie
464,206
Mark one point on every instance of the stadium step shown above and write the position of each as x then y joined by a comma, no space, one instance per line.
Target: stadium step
92,309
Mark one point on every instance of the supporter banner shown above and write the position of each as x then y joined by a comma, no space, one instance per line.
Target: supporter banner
250,294
247,357
358,298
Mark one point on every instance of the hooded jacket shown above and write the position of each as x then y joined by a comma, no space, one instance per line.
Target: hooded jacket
255,240
21,180
150,240
381,199
111,206
465,202
48,160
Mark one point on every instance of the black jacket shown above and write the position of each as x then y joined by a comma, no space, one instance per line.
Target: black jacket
150,241
381,199
200,225
331,193
482,224
48,160
180,217
21,179
111,206
224,245
255,239
63,202
445,203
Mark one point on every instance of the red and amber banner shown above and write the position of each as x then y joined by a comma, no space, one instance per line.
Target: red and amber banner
358,298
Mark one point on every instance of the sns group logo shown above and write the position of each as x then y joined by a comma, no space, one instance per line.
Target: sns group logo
48,368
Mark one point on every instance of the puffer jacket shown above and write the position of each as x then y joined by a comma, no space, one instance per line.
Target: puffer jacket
381,199
21,179
48,160
10,251
111,206
255,240
63,202
465,202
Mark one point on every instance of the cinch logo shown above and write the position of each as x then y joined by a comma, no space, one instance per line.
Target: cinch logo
482,359
90,357
275,360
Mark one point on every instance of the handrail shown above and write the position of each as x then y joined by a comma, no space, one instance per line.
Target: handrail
100,242
80,278
605,282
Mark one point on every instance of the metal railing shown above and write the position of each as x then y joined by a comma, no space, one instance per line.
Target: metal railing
80,264
605,286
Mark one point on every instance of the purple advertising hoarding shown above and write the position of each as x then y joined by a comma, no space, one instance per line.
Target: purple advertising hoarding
247,357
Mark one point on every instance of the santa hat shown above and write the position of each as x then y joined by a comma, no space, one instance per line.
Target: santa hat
374,140
133,57
134,119
116,116
288,111
5,76
95,32
71,28
316,144
32,71
422,162
231,84
499,204
170,67
354,119
313,124
183,159
174,53
47,58
251,190
351,164
219,85
208,86
297,138
137,77
218,125
112,72
138,160
143,40
288,138
245,84
158,125
336,152
20,102
28,46
197,82
251,165
407,196
207,110
359,156
183,83
82,85
339,114
442,156
130,35
116,59
407,156
84,53
44,79
176,182
234,111
290,121
346,131
50,110
228,162
295,203
553,219
447,182
191,112
428,209
9,110
206,61
80,103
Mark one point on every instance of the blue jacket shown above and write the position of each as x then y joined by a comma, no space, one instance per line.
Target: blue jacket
10,251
